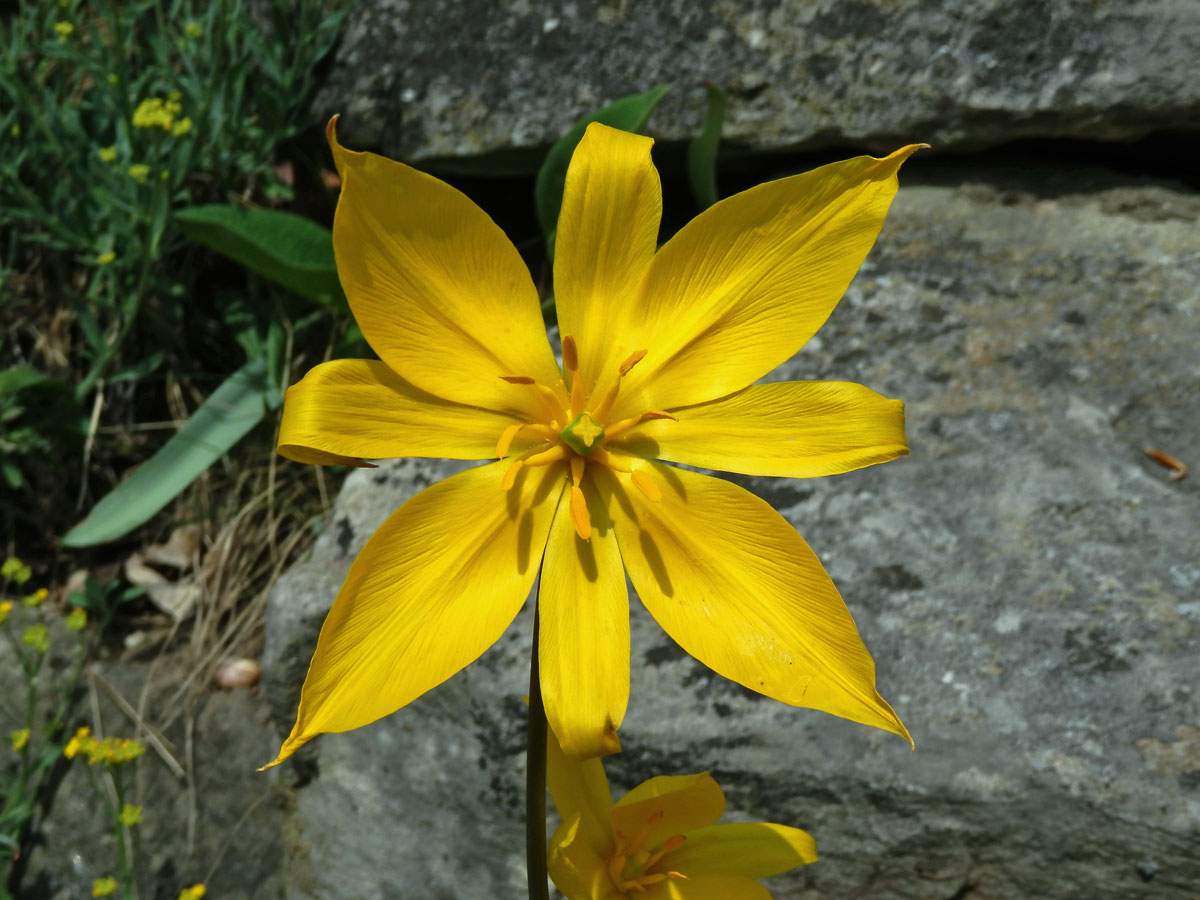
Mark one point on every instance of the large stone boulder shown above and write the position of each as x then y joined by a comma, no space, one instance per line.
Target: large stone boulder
1027,580
466,78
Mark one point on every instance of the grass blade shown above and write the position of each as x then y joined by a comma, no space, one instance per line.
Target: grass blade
702,151
215,427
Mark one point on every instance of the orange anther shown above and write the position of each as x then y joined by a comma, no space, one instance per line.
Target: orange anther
506,439
510,476
570,353
633,359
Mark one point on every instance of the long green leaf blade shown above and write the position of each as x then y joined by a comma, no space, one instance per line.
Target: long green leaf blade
288,249
217,425
702,151
629,114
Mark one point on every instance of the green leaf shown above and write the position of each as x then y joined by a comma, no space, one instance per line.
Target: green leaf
702,151
217,425
628,114
288,249
17,378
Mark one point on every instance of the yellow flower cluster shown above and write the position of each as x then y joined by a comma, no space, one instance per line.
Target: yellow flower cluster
155,112
111,751
35,636
130,815
36,599
104,887
105,258
5,609
15,570
77,619
195,892
139,172
19,738
64,29
108,154
193,29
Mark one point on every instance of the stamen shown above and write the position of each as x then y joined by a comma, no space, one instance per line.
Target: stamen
611,460
509,434
645,484
579,510
510,475
674,842
570,353
600,413
506,439
518,379
634,358
546,457
625,424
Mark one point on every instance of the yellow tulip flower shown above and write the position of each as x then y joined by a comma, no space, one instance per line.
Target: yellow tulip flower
660,841
661,352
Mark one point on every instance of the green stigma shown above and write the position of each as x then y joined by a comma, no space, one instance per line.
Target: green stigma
583,435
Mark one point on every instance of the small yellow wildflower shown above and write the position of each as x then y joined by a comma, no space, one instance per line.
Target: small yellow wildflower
130,815
19,738
5,609
64,29
35,636
139,172
104,887
108,154
193,29
79,741
105,258
113,79
36,599
154,112
113,751
182,127
15,131
15,570
195,892
77,619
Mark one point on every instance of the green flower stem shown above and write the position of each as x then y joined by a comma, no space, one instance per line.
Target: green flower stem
535,778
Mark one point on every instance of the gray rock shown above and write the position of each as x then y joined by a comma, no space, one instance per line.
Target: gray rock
465,78
1027,581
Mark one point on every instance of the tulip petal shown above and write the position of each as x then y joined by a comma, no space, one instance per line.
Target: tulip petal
434,587
794,429
707,888
578,871
745,284
580,791
350,409
740,590
440,293
607,233
583,609
751,850
685,802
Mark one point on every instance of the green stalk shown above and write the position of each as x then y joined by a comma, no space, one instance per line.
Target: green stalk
535,776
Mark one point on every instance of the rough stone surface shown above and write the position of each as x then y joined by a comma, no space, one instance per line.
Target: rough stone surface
1027,581
465,78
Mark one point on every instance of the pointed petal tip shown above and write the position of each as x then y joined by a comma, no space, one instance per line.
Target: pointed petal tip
290,746
890,164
